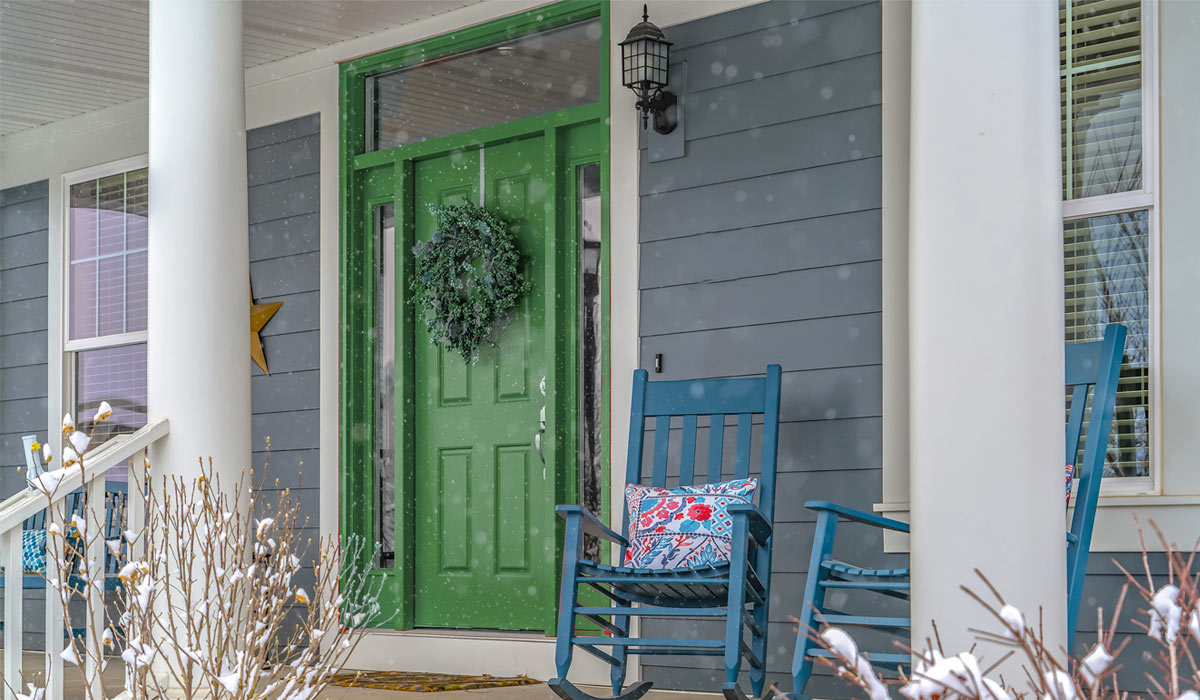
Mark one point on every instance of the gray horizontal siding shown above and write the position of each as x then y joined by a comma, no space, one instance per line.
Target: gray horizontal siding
845,33
841,290
847,342
283,164
23,316
23,250
841,239
24,242
767,18
802,194
823,140
824,89
300,312
762,245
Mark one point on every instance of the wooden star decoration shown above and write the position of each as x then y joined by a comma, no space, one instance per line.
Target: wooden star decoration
259,315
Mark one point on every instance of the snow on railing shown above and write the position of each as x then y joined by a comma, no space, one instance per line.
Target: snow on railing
55,487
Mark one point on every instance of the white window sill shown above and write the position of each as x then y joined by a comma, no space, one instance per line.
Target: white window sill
1115,530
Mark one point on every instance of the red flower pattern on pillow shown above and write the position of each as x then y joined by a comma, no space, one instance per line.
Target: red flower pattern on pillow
683,527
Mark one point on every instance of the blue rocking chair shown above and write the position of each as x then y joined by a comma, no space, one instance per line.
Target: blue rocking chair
1096,364
738,592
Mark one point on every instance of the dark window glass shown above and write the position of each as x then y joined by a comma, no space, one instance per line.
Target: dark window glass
530,75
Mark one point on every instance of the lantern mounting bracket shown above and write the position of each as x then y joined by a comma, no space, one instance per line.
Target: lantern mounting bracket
662,104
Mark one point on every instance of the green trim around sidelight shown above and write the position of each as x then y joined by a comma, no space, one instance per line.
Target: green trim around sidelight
484,135
369,179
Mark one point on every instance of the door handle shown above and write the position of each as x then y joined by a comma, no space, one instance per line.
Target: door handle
537,438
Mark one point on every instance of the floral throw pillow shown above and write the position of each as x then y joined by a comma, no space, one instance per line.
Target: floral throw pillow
688,526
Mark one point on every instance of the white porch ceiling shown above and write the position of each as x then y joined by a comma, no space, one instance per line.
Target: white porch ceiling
63,58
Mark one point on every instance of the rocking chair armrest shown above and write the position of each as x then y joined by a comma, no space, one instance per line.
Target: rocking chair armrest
591,524
760,529
858,515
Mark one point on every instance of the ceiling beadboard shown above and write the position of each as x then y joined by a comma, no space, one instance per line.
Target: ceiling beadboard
63,58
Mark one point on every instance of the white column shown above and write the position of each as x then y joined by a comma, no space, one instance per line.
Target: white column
199,348
986,324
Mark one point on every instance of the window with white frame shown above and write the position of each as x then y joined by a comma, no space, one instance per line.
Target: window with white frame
106,234
1107,81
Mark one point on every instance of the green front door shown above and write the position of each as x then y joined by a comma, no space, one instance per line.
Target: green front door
484,493
451,470
483,451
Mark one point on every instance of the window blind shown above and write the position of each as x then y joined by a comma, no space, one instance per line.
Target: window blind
1100,70
1106,280
116,375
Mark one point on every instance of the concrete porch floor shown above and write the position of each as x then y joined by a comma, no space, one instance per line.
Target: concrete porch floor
114,677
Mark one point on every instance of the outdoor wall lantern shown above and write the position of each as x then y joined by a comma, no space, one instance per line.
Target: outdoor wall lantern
645,61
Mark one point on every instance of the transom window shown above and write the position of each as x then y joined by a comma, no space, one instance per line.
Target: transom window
524,77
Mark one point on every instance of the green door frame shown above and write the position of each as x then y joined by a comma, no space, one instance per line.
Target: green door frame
367,179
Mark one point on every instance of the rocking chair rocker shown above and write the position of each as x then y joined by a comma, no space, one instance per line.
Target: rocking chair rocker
738,592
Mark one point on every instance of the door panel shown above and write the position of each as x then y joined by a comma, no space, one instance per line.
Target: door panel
484,551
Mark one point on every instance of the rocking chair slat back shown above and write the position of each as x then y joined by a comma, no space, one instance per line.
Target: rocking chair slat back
716,446
688,399
741,460
687,449
662,444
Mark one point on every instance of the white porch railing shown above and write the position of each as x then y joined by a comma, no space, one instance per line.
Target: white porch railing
130,449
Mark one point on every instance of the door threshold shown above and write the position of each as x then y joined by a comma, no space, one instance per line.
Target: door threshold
472,652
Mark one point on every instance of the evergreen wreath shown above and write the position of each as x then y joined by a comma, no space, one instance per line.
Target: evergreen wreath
468,277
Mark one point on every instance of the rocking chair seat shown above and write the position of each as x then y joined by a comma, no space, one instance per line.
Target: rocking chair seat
681,587
848,572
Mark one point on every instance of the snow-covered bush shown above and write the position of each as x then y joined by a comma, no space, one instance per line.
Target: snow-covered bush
216,599
1171,618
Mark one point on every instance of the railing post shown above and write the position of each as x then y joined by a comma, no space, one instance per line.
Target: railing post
10,545
93,645
135,503
55,547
